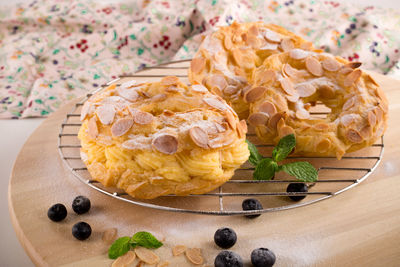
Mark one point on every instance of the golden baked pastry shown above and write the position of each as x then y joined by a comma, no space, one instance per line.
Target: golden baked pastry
160,138
288,84
227,58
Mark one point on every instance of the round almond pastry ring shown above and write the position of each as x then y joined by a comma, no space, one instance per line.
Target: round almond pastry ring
227,58
288,84
160,138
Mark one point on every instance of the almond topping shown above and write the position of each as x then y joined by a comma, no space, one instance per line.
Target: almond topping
165,143
199,88
237,56
379,114
325,91
128,84
302,114
199,136
253,30
273,122
267,76
293,98
159,97
345,70
163,264
269,46
314,66
258,118
109,235
347,119
290,71
272,36
147,255
371,118
298,54
349,103
306,46
287,44
106,113
197,65
129,94
267,107
323,146
194,256
228,42
285,130
142,117
241,128
254,94
124,260
178,250
92,128
230,90
331,64
321,127
352,77
353,65
305,90
121,126
287,86
85,110
215,103
253,41
366,131
354,136
230,118
218,81
170,80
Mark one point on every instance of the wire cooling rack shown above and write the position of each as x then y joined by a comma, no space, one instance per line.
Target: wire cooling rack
335,176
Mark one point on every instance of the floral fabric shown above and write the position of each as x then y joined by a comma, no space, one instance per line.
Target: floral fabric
52,51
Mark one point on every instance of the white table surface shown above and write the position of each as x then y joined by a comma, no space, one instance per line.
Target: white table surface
13,134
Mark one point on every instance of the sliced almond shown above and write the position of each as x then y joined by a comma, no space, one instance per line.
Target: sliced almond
241,128
215,103
221,127
231,119
197,65
168,113
330,64
287,86
147,255
345,70
298,54
272,36
109,235
199,88
314,66
85,110
159,98
280,102
321,127
228,42
165,143
366,131
349,103
121,126
163,264
93,131
273,121
106,113
287,44
285,130
170,80
253,30
178,250
371,118
237,56
267,107
258,118
230,90
326,91
347,119
218,81
267,76
199,136
253,41
302,114
306,89
293,98
194,256
381,94
142,117
353,65
290,71
254,94
354,136
323,146
124,260
379,114
129,94
269,46
128,84
352,77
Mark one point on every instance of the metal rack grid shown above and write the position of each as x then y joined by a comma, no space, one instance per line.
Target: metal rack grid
228,200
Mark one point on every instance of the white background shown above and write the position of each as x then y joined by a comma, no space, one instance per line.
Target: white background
13,134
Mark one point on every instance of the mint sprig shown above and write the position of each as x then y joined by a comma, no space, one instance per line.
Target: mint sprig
265,168
123,244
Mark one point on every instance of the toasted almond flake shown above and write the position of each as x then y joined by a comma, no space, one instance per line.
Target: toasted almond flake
306,46
171,89
199,136
293,98
124,260
178,250
353,65
254,94
314,66
230,90
273,121
321,127
109,235
228,42
347,119
253,41
258,118
302,114
121,126
197,65
237,56
371,118
381,94
285,130
231,119
306,89
159,98
199,88
140,264
129,94
352,77
267,107
345,70
253,30
379,114
287,44
280,102
366,131
298,54
168,113
267,76
170,80
218,81
221,127
163,264
85,110
142,117
128,84
330,64
236,38
269,46
215,103
354,136
241,128
326,91
165,143
147,255
349,103
93,131
384,106
287,86
194,256
290,71
106,113
323,146
272,36
371,79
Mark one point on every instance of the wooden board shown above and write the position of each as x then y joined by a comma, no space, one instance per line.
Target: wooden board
360,227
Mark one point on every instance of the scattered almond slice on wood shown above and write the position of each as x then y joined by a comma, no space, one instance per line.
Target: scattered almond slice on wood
124,260
165,143
194,256
178,250
121,126
147,255
109,235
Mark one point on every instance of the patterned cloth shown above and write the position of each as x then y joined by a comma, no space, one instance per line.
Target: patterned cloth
52,51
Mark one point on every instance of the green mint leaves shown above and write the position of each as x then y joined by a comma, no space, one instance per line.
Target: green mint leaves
265,168
123,244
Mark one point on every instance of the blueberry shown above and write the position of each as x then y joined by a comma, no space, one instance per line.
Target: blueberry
262,257
57,212
225,237
252,204
81,204
297,187
228,259
81,230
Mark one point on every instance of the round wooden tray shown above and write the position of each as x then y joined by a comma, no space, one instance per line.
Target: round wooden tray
357,228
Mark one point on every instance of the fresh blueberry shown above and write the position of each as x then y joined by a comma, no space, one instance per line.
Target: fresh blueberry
57,212
252,204
225,237
228,259
297,187
81,204
81,230
262,257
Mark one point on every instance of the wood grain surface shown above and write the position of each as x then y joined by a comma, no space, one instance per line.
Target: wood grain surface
360,227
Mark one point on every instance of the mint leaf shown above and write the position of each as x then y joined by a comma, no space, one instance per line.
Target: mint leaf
119,247
145,239
255,156
265,169
284,147
303,171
